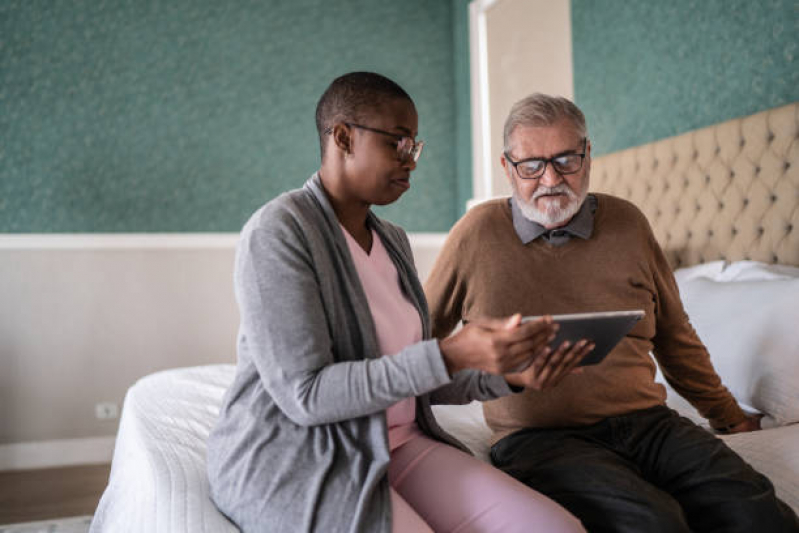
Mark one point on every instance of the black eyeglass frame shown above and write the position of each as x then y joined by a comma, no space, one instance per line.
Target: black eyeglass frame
547,161
415,146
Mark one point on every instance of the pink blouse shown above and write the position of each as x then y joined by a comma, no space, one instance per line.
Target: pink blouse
396,320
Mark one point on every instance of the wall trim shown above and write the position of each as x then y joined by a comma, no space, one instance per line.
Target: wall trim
122,241
488,181
115,241
480,110
56,453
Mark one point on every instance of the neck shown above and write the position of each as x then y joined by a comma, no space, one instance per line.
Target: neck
351,213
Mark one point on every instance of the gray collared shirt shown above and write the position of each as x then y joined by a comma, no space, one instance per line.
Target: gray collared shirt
581,225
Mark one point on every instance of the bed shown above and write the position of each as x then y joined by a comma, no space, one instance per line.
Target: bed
724,204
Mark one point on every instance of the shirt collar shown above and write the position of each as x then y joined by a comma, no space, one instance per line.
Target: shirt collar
581,225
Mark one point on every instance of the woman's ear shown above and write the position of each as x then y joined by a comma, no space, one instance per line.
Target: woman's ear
342,138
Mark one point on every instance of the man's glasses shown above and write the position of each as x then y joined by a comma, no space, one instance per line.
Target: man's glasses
534,168
407,148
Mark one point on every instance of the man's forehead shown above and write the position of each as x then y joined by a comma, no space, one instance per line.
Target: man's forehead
546,140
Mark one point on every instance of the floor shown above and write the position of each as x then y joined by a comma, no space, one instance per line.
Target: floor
34,495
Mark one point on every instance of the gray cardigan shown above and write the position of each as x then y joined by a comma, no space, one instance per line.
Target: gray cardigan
301,442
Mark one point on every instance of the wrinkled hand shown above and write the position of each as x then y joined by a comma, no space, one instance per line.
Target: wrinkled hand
549,370
497,346
750,423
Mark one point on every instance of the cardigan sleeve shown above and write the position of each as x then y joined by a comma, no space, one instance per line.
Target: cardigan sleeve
468,385
286,334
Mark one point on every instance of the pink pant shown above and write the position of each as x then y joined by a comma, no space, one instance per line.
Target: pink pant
439,488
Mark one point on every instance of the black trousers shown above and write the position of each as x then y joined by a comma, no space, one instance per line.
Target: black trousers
649,471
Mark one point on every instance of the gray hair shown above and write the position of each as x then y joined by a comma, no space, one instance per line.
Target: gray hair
542,110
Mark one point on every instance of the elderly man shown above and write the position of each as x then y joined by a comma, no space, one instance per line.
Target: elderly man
602,443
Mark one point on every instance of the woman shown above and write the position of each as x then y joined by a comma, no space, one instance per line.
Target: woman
328,426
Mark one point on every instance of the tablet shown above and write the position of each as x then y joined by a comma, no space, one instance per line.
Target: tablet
605,330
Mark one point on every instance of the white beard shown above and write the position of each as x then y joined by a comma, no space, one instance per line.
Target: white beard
553,215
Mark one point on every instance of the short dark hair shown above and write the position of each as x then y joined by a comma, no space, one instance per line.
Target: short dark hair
349,98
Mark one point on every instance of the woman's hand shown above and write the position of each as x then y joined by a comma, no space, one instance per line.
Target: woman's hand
549,370
498,346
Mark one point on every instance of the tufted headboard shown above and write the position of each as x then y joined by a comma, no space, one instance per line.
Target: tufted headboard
728,191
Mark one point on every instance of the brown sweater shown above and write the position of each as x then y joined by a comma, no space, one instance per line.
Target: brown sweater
484,270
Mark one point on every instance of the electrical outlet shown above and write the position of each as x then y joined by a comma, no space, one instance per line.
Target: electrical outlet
106,411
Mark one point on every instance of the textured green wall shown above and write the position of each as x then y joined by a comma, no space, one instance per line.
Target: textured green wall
463,106
186,115
645,70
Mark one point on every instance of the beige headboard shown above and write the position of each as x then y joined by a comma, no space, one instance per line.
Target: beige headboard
729,191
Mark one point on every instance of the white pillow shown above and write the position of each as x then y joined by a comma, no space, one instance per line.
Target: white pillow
737,271
751,329
753,270
705,270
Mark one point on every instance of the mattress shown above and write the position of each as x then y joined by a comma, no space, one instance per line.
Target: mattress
158,479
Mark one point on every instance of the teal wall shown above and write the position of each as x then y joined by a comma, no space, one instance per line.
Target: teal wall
645,70
463,109
186,115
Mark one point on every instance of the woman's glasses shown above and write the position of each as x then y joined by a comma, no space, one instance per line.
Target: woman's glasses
407,148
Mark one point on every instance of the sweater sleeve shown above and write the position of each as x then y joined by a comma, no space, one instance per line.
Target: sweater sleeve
683,358
286,333
445,288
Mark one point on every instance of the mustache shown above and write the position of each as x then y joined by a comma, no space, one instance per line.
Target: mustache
560,188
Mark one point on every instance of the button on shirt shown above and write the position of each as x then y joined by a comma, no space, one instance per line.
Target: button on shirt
581,225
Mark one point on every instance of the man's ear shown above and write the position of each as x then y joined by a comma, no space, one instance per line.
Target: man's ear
342,138
588,155
507,168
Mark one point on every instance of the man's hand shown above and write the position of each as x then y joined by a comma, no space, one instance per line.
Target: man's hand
750,423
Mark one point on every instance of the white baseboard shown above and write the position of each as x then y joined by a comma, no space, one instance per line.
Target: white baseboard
55,453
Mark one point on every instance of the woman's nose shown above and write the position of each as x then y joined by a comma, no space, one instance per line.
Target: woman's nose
409,164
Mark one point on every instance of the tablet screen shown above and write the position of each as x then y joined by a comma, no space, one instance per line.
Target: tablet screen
604,329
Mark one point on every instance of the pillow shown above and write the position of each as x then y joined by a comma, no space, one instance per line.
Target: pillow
751,329
753,270
706,270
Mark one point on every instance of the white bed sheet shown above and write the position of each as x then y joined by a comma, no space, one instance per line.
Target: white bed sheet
158,479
